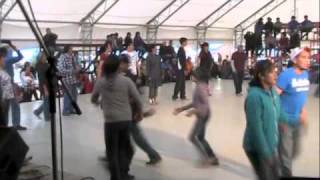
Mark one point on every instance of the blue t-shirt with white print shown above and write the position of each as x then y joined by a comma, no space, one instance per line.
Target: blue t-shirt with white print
295,93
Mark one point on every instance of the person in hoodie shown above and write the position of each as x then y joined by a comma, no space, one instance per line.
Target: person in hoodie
264,116
201,108
117,92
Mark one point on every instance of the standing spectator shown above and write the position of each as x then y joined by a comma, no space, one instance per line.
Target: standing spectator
116,91
293,86
42,68
270,43
264,115
154,74
128,40
139,44
293,25
7,92
201,109
238,61
277,27
50,40
10,60
295,40
69,70
258,31
28,83
205,63
168,54
284,43
134,67
180,86
306,27
250,42
268,27
104,52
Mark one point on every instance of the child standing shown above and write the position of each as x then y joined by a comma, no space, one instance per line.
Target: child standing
201,109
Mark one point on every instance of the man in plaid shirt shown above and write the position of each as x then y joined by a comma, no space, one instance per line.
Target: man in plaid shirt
69,69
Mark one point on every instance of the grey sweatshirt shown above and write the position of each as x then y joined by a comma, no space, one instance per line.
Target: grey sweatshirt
200,100
115,98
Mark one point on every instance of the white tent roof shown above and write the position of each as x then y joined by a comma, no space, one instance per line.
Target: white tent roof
141,11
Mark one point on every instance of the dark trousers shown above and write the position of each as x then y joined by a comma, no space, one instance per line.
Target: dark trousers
238,80
142,142
264,170
197,137
119,149
180,86
4,120
153,92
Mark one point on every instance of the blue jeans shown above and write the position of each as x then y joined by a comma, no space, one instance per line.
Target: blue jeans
67,102
44,107
15,110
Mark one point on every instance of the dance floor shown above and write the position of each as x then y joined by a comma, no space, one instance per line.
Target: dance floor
84,143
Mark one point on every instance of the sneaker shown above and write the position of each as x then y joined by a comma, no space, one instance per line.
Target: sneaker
184,98
154,161
36,114
129,177
214,161
20,128
103,158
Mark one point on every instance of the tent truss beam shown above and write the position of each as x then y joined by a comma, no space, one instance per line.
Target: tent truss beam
219,13
164,15
99,11
93,17
5,15
253,18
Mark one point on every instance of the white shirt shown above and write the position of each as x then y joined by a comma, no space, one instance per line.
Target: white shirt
134,58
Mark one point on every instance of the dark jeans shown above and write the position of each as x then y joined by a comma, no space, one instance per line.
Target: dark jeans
15,110
142,142
180,86
119,149
238,80
45,108
197,137
264,170
67,102
4,112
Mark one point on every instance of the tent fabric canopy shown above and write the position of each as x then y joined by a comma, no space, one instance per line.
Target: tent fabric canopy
141,11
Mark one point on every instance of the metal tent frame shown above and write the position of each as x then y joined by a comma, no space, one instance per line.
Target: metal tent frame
94,16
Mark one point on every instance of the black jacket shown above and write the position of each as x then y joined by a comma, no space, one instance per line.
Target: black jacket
182,58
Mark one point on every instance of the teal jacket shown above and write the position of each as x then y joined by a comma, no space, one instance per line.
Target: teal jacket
263,114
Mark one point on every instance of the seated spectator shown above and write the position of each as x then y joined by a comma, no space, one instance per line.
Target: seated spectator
268,27
277,27
139,44
284,43
293,25
270,43
28,83
295,40
306,27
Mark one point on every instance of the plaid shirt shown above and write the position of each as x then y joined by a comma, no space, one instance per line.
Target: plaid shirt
68,69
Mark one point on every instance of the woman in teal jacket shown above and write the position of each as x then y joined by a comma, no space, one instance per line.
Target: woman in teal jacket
264,115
